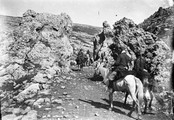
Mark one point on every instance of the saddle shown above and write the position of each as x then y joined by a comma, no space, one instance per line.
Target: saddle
124,73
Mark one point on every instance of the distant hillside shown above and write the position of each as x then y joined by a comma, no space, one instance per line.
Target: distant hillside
161,23
9,22
12,22
81,36
91,30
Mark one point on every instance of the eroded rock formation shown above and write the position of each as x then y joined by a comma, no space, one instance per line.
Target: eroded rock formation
35,52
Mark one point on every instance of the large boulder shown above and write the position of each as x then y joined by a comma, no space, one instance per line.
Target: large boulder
41,36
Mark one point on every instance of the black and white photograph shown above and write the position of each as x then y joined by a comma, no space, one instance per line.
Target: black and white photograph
86,59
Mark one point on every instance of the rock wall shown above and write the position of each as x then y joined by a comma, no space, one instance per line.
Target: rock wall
32,55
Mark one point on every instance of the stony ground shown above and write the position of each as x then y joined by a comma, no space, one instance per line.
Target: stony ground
76,96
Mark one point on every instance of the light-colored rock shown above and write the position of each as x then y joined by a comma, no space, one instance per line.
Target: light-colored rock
31,115
33,88
27,109
9,117
17,111
57,101
4,79
45,92
96,114
28,92
30,101
40,78
39,102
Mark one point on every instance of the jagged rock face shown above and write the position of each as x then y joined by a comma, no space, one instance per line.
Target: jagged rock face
135,39
42,36
33,53
161,24
129,34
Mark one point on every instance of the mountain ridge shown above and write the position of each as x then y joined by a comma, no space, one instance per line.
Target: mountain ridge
161,24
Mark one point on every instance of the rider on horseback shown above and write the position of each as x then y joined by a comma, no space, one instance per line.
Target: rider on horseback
121,65
140,67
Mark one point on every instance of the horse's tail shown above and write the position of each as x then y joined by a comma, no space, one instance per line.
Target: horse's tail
139,90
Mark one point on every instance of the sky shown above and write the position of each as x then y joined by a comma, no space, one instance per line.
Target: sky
91,12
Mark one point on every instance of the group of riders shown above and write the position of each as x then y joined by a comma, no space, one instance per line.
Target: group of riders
84,58
125,65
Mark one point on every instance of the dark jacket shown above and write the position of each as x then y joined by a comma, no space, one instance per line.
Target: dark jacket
123,60
121,65
80,58
140,67
140,64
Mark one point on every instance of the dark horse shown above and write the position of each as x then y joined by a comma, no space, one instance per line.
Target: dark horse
81,58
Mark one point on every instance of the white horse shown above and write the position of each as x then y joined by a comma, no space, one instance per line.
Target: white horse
130,84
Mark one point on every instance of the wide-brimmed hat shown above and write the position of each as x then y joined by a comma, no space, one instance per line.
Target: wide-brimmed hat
122,48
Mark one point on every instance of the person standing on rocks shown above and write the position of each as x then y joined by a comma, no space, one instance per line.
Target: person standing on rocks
105,51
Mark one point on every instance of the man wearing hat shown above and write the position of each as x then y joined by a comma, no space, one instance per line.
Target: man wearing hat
121,65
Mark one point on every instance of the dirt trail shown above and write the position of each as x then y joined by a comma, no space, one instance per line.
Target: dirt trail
81,98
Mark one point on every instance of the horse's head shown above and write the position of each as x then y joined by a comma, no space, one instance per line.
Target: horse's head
145,81
96,66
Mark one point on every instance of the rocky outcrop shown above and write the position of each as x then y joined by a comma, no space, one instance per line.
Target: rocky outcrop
161,24
35,52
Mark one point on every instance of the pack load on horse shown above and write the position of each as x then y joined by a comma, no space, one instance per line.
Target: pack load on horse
129,84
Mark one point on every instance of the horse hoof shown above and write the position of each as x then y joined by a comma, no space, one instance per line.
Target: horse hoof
139,118
144,112
129,114
110,109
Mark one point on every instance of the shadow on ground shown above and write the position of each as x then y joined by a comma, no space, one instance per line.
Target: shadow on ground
120,104
96,78
101,105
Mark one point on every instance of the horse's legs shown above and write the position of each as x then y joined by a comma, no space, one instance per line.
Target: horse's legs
126,98
136,102
111,98
78,66
145,102
133,108
81,67
150,103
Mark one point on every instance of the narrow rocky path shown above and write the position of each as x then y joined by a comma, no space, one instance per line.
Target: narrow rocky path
75,96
